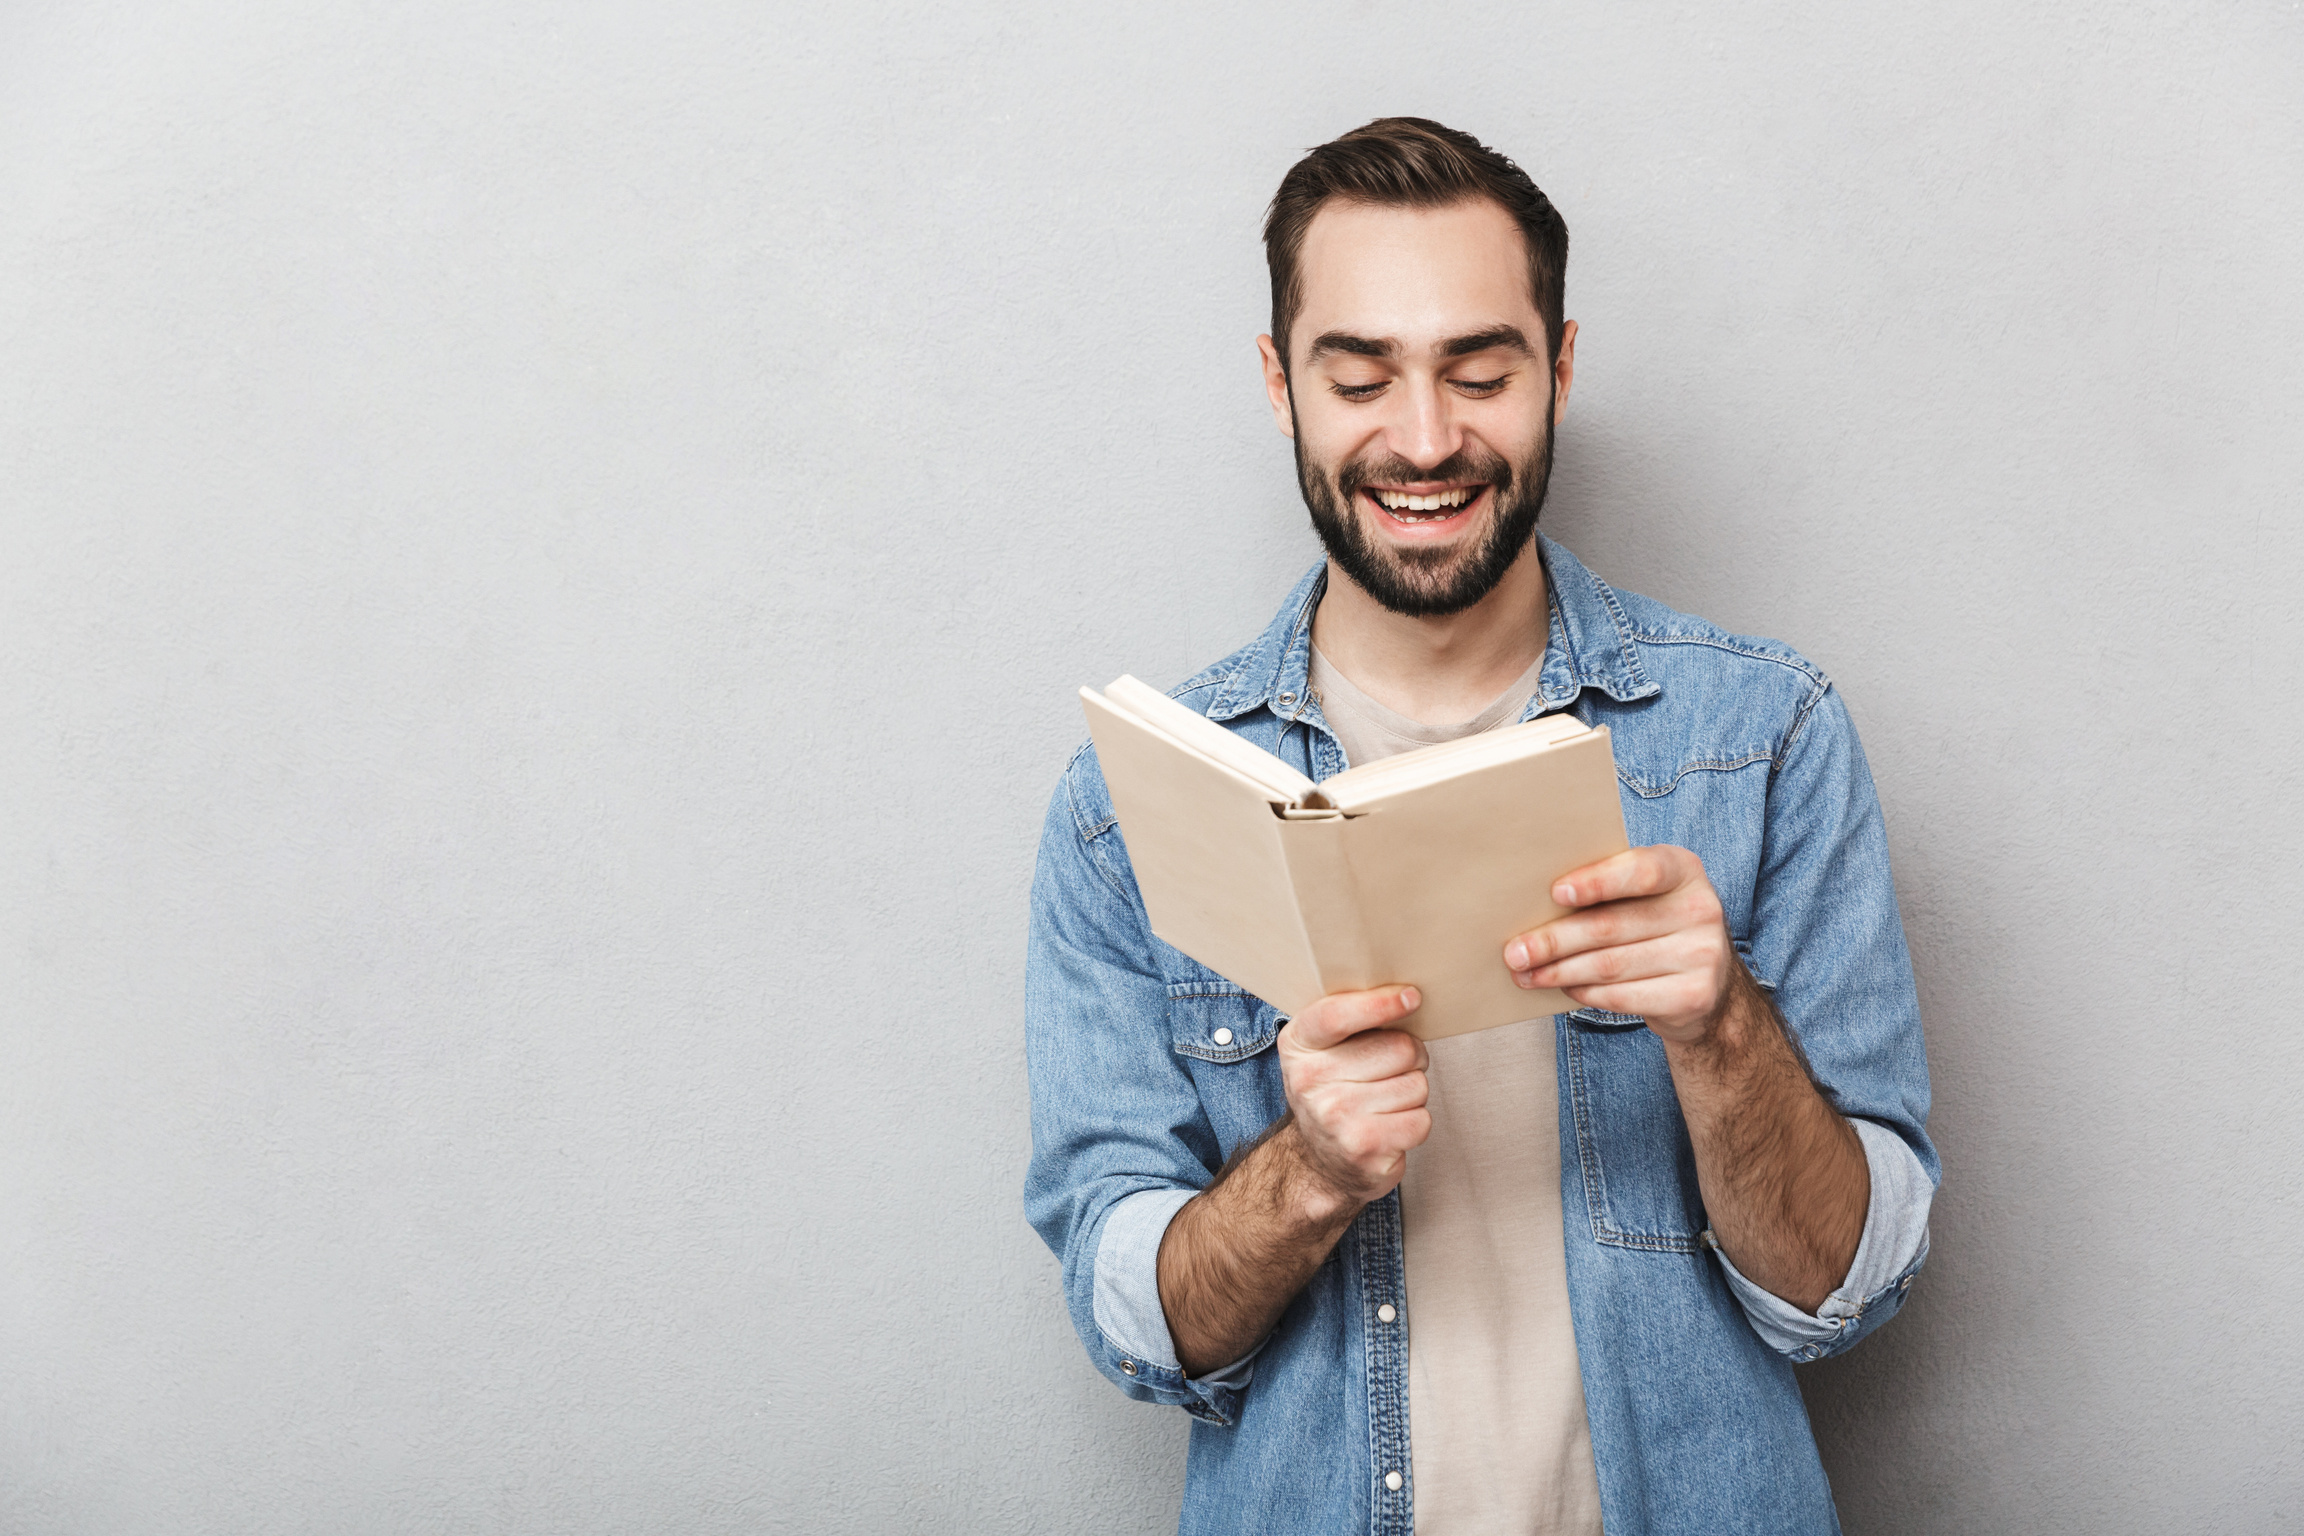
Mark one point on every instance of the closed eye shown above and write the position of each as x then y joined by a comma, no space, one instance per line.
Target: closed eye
1477,388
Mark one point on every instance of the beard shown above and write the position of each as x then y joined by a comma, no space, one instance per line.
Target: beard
1425,581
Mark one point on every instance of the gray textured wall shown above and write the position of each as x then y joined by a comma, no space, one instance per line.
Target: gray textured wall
543,554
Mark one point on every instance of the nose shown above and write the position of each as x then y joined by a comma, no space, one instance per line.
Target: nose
1427,433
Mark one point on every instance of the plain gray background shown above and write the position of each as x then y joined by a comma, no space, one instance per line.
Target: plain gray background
544,553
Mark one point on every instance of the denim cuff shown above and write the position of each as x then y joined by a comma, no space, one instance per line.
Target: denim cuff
1888,1257
1127,1295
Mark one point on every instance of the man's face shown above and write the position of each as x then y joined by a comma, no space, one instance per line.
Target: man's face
1420,398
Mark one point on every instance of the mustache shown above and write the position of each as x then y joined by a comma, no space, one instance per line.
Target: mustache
1464,464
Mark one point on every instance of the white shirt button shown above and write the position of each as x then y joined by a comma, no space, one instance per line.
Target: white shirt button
1222,1037
1392,1481
1385,1314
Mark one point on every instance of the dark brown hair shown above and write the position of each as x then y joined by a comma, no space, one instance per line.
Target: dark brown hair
1411,162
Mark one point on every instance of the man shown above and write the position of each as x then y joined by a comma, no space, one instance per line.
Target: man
1543,1278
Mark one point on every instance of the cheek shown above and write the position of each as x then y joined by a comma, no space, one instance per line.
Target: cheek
1517,436
1332,434
1330,467
1333,454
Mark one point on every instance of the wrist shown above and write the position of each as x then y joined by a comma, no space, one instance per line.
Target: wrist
1725,1033
1309,1198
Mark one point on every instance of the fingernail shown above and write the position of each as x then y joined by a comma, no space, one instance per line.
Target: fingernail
1565,894
1411,999
1523,979
1516,955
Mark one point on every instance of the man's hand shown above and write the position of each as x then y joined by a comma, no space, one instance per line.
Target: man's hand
1356,1090
1240,1250
1783,1176
1645,935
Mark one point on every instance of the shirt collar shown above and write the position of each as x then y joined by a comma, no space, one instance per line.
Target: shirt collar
1590,646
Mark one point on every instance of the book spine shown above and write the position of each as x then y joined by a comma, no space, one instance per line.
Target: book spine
1328,897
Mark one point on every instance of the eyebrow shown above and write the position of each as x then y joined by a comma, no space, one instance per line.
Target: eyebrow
1357,346
1495,336
1488,339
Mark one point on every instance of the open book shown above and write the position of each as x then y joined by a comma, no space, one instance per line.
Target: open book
1413,870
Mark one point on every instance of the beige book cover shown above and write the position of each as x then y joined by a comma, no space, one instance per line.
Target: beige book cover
1414,870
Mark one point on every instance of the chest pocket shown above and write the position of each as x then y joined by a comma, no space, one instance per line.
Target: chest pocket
1639,1167
1225,1037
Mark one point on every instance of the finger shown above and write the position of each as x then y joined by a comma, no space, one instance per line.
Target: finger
1409,1090
1403,1130
1669,955
1634,872
1370,1057
1633,895
1661,1000
1341,1015
1372,1136
1615,922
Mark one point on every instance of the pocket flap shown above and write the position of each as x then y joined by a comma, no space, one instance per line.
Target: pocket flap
1601,1018
1216,1021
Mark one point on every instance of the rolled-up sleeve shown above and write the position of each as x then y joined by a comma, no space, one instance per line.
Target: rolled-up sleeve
1888,1256
1827,941
1127,1292
1118,1131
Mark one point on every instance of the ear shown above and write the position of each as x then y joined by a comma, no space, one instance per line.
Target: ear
1276,387
1564,372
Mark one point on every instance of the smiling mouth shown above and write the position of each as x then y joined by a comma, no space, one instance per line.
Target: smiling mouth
1422,509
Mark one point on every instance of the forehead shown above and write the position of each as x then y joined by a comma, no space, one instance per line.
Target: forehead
1418,275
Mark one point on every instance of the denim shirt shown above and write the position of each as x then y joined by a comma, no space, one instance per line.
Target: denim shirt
1148,1070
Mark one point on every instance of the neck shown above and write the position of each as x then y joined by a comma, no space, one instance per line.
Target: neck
1436,670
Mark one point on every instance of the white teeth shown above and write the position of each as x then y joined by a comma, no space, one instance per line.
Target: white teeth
1399,501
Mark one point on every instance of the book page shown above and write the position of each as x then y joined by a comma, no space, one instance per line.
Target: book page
1190,729
1447,872
1205,844
1428,862
1356,788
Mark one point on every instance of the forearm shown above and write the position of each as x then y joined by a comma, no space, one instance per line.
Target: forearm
1236,1254
1783,1175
